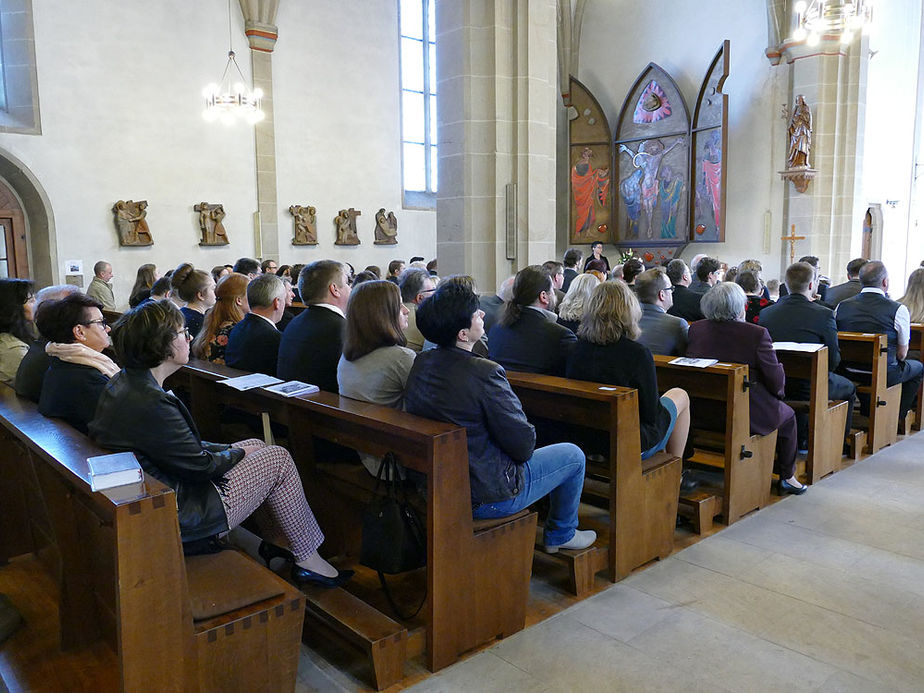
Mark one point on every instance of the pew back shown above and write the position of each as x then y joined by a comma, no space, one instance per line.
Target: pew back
869,352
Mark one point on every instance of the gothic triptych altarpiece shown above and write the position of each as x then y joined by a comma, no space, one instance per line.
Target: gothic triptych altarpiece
658,182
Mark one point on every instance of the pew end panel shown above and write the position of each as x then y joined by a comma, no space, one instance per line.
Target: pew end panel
869,352
641,496
720,421
826,419
917,344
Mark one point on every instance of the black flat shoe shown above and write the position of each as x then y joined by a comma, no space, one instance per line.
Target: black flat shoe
786,487
687,482
303,576
269,551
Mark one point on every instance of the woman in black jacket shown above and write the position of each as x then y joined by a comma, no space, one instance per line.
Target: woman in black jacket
77,334
506,472
607,352
217,486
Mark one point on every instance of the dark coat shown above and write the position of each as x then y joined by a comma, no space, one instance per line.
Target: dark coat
193,320
31,372
533,344
570,274
311,347
492,306
796,319
662,333
253,345
686,304
741,342
838,293
454,385
134,413
625,363
591,258
70,391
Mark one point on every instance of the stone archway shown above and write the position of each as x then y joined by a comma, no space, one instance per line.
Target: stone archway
39,218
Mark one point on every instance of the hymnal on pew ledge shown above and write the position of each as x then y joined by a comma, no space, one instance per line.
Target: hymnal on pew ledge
118,469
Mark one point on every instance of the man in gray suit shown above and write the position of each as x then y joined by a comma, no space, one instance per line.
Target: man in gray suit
849,288
661,333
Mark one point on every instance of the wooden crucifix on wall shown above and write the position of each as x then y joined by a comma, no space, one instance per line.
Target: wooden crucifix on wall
792,238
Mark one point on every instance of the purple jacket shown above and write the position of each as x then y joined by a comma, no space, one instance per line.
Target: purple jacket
741,342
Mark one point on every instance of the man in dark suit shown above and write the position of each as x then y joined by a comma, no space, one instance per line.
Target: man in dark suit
556,271
849,288
707,275
872,310
796,318
685,302
313,342
493,306
527,338
253,344
661,333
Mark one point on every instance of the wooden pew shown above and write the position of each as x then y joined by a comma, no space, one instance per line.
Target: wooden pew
641,496
826,420
206,623
477,574
869,352
720,430
917,344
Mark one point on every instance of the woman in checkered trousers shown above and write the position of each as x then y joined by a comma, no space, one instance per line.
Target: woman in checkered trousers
217,486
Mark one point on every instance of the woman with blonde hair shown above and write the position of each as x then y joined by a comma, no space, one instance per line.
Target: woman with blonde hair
607,352
914,295
575,301
144,280
229,309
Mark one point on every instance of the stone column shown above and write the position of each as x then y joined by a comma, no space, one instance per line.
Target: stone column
261,31
496,101
832,77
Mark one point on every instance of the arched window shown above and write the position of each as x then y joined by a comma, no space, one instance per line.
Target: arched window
418,102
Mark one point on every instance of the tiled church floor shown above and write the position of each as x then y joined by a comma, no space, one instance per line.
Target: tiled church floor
820,592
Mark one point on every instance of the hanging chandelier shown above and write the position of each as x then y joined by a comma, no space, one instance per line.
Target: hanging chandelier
231,99
844,18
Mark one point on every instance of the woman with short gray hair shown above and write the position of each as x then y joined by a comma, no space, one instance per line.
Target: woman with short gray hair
725,335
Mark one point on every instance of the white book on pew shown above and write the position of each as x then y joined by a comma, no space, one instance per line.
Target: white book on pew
293,388
118,469
250,381
692,362
797,346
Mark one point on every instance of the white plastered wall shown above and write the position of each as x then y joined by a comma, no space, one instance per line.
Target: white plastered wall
120,87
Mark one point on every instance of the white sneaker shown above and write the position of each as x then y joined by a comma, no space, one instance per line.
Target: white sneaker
581,540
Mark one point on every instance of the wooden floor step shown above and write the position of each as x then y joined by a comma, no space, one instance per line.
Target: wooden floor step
383,639
702,505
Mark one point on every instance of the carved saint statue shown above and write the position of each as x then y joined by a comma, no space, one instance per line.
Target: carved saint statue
800,135
345,222
131,224
306,230
210,224
386,228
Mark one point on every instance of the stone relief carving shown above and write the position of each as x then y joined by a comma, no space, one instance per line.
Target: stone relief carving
211,227
345,223
131,223
306,228
386,228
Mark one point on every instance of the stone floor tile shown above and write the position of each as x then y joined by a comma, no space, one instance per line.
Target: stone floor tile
621,612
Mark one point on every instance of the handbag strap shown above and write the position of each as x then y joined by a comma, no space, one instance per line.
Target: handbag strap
391,601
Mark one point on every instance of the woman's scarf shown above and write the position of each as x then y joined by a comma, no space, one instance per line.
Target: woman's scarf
82,355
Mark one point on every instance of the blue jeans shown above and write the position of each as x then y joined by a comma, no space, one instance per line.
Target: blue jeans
557,471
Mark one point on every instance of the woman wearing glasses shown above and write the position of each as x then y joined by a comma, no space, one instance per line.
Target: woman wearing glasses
77,334
217,486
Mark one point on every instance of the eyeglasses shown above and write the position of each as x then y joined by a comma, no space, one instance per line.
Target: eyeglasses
101,322
668,288
185,333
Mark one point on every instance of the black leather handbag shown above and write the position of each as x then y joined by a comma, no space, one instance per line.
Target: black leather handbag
394,539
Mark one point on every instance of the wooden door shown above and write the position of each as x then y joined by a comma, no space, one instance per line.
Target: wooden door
13,260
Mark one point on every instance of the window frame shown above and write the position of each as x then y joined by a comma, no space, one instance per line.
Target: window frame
418,199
